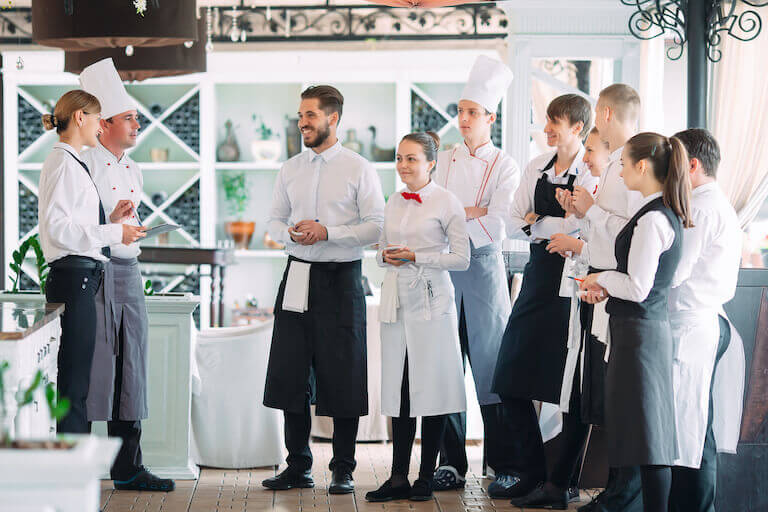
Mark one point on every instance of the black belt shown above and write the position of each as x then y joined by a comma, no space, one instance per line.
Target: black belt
77,262
328,265
593,270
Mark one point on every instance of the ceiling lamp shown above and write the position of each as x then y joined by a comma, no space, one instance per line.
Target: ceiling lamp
143,63
78,25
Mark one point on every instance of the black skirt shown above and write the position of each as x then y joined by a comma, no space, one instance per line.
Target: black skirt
593,372
533,350
639,401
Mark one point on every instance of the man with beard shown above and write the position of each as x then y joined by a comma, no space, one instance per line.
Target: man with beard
327,206
118,385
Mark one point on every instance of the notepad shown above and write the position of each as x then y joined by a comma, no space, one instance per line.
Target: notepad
162,228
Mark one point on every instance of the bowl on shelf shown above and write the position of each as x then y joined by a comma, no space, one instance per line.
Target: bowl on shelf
241,232
266,150
158,154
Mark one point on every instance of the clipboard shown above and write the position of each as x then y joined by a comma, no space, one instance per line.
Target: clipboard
162,228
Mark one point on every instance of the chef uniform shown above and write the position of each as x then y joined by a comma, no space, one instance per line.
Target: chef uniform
118,385
532,356
710,266
487,179
419,328
75,238
318,351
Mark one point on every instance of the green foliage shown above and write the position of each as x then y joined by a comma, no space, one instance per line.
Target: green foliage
27,396
236,192
42,266
148,290
18,260
262,129
57,405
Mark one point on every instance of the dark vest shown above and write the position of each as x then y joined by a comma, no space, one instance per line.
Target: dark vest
655,305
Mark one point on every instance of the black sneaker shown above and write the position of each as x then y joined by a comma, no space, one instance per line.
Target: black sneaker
145,481
544,496
447,478
574,495
510,486
388,493
421,490
290,479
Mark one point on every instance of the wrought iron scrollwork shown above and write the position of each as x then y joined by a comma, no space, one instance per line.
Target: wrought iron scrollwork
654,18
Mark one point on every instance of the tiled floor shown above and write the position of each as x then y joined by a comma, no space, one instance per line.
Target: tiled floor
241,490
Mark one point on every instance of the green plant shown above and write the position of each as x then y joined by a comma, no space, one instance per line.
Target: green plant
262,129
18,260
236,192
42,266
148,290
58,406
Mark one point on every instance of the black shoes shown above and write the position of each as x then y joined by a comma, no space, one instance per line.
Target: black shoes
388,493
510,486
421,490
544,496
341,482
574,495
145,481
447,478
290,479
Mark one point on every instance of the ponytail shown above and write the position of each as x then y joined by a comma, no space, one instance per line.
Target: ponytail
669,161
677,185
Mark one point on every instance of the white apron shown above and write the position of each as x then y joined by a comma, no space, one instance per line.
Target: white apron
696,335
425,325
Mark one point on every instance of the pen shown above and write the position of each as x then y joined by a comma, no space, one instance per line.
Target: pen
574,232
576,279
136,215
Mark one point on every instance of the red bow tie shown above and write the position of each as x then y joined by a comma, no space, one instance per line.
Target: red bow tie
409,195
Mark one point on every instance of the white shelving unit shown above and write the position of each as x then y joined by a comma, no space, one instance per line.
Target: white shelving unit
380,88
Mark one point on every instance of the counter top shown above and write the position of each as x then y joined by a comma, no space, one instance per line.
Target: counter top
20,319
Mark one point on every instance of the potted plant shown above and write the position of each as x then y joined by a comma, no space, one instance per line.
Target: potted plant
237,195
17,262
265,147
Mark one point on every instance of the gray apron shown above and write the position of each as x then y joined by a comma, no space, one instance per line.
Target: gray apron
120,311
483,289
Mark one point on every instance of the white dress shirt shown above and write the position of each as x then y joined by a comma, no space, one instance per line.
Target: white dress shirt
435,229
68,211
338,188
523,202
709,266
115,180
652,236
487,179
614,205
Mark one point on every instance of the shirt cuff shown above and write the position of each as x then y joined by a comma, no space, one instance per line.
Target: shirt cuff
334,232
114,234
423,258
594,213
605,278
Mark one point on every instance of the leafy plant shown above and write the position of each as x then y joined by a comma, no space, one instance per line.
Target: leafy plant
58,406
262,129
236,192
42,266
148,290
18,260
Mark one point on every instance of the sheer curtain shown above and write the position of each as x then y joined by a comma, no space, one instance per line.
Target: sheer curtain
740,124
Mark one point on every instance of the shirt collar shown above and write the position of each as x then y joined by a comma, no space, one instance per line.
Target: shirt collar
707,187
67,147
326,155
616,155
649,198
576,166
483,152
108,154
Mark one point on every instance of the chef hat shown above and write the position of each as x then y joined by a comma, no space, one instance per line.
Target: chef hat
101,80
488,81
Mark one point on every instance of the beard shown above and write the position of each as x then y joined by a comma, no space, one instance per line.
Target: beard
321,135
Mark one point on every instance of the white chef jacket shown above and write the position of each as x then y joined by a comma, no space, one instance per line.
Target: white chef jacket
709,266
434,229
614,205
68,209
115,180
652,236
338,188
487,179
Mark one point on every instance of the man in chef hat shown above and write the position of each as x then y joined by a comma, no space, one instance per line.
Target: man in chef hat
485,179
118,386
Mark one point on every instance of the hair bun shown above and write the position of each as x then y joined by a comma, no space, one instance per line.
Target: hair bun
436,138
49,121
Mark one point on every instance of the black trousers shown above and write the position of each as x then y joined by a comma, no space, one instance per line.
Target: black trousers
693,490
498,444
297,429
525,440
573,436
76,289
129,460
404,432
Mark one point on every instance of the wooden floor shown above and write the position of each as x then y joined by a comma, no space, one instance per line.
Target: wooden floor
241,490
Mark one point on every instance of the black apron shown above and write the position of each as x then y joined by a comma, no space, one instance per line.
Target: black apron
533,350
593,367
321,352
639,398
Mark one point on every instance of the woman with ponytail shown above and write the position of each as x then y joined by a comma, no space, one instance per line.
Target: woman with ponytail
75,235
425,237
639,404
